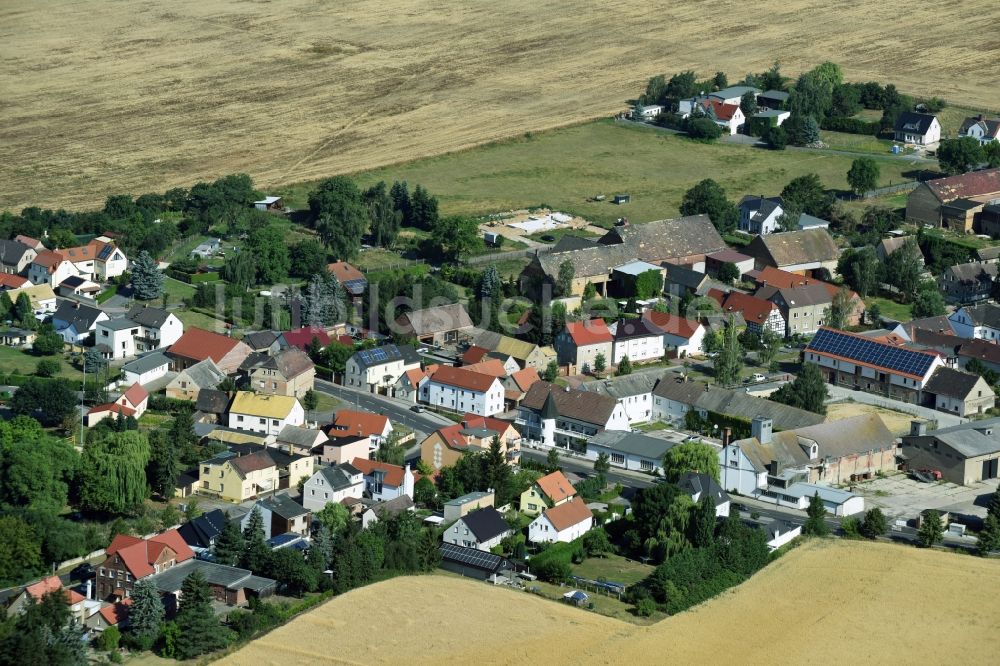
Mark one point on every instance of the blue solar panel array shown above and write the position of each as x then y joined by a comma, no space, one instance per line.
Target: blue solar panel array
356,286
379,355
471,556
871,352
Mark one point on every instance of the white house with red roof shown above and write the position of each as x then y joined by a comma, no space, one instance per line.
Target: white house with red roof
563,523
680,335
80,607
51,268
461,390
581,342
133,402
383,481
759,314
727,116
130,559
352,423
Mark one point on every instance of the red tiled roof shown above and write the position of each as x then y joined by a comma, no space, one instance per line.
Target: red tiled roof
253,462
721,111
199,344
568,514
525,378
112,407
474,354
362,424
50,585
776,277
590,332
11,281
87,252
136,394
302,337
498,426
28,240
115,613
393,473
415,375
462,378
556,486
453,438
48,259
752,308
673,324
343,271
139,555
491,366
971,184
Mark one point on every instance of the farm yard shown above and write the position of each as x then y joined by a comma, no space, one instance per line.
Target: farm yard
295,90
806,589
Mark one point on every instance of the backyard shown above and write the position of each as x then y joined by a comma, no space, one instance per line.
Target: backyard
20,362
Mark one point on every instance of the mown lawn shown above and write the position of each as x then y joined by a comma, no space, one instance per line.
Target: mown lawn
176,290
890,309
191,318
613,568
564,168
23,363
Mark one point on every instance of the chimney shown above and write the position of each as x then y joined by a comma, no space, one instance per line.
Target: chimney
408,482
918,428
760,428
727,435
89,588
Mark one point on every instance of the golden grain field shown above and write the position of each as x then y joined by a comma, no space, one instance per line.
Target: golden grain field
110,96
824,603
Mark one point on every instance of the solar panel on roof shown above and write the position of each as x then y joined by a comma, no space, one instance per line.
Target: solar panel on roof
470,556
872,352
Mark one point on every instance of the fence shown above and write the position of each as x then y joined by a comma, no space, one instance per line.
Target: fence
501,256
392,265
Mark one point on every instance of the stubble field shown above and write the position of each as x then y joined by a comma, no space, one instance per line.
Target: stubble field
134,96
825,602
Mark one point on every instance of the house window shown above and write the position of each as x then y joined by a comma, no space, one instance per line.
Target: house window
262,421
239,419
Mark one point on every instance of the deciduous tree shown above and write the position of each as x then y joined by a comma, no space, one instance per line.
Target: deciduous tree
709,198
693,456
960,155
807,391
339,215
931,530
863,175
729,363
564,280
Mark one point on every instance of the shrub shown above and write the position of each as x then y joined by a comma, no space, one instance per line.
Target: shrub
850,125
645,607
703,129
47,367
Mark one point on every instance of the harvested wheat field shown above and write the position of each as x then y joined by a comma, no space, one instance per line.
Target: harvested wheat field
825,602
898,423
134,96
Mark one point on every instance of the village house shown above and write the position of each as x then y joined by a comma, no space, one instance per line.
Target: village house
332,484
759,314
548,491
444,446
50,268
197,344
581,342
872,365
839,452
638,339
299,440
407,387
481,529
229,585
80,607
527,354
772,99
918,129
75,285
684,241
266,414
15,257
968,283
377,370
926,203
567,418
804,308
630,450
130,559
76,322
634,393
145,369
355,423
303,338
281,515
292,467
564,523
674,397
682,280
516,385
458,507
681,337
384,481
387,509
195,378
715,261
977,322
265,342
202,532
132,402
211,406
698,486
795,251
437,325
980,128
593,264
727,116
350,278
142,329
965,454
236,478
41,297
290,372
461,390
9,282
344,449
888,246
961,393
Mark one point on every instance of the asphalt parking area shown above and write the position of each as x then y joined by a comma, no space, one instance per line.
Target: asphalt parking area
901,497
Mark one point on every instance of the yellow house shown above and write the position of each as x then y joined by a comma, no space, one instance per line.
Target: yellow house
549,491
237,478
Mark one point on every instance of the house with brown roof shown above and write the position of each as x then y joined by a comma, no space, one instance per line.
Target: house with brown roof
50,268
758,313
926,203
445,446
190,381
527,354
580,342
350,278
516,385
356,423
795,251
130,559
383,481
684,241
237,478
461,390
437,325
197,345
550,490
290,372
566,417
563,523
80,607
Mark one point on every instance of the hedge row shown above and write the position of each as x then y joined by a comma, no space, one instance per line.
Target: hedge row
851,125
193,278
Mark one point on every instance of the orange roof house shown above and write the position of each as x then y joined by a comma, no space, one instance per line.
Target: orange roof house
463,378
565,522
590,332
130,559
197,344
355,423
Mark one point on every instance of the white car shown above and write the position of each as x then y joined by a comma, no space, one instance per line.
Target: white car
758,378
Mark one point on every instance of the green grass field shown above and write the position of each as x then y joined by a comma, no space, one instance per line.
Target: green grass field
889,308
858,143
176,290
613,568
191,318
564,168
23,363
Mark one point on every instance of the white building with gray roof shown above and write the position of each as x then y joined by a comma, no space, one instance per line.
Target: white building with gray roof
633,392
633,450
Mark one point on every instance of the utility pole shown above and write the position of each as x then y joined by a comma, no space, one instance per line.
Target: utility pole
83,392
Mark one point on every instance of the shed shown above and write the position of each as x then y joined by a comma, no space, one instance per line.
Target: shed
622,199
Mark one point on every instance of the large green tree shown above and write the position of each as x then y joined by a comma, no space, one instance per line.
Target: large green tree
200,630
339,215
931,531
455,235
928,301
807,391
860,269
903,267
815,524
806,193
113,473
423,209
729,363
709,198
307,258
52,399
839,312
35,468
383,216
145,616
255,550
271,253
229,545
147,280
863,175
693,456
960,155
20,551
